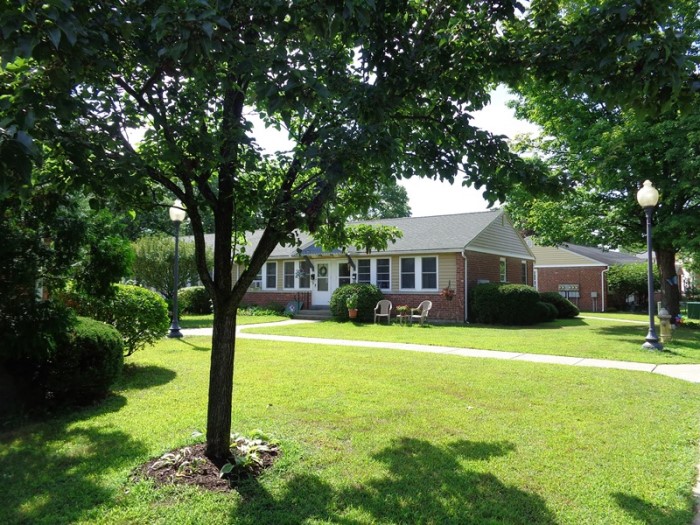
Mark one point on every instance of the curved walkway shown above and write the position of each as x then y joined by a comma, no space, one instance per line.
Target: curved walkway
689,373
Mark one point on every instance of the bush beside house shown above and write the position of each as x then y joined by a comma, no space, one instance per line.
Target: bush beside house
194,300
367,297
565,308
510,304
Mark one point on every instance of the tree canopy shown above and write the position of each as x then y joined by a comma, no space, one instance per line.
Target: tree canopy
604,134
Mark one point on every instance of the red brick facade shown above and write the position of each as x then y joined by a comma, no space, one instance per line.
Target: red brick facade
481,267
587,278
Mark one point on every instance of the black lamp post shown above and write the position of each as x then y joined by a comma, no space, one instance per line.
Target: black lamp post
177,215
648,197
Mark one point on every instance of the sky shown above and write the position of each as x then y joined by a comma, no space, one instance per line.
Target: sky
430,197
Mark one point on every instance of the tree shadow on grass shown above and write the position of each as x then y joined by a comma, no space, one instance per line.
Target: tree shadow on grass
425,483
650,514
199,348
52,475
139,377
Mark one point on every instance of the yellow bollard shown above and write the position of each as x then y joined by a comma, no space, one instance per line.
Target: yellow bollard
665,320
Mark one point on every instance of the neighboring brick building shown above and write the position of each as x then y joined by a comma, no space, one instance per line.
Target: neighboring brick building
577,272
459,250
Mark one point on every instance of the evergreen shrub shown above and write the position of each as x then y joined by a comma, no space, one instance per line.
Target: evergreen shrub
565,308
508,304
85,365
194,300
368,295
140,315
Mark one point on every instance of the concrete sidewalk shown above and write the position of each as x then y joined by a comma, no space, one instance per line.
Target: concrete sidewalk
690,373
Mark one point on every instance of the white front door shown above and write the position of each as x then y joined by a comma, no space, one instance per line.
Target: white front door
321,292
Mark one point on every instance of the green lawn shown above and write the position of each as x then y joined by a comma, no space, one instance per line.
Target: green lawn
371,436
206,321
580,337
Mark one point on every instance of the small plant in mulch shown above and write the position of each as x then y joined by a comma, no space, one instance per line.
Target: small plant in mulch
190,466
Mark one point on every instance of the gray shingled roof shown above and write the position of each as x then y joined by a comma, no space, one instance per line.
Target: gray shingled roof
604,256
438,233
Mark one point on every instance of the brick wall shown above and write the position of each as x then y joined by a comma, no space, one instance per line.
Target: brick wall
587,278
263,298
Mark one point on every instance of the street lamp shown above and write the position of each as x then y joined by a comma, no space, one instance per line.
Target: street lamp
177,215
648,197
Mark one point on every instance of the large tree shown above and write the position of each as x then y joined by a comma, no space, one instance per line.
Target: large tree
606,129
367,90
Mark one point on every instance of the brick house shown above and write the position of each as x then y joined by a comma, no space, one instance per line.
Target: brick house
577,272
458,250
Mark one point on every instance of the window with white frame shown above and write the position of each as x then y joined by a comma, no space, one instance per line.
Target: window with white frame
364,271
289,269
257,282
304,273
375,271
383,274
271,275
408,273
418,273
503,276
343,274
523,271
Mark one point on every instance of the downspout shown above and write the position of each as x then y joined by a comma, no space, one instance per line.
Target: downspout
466,306
603,289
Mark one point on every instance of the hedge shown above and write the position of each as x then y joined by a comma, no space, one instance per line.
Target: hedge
565,308
509,304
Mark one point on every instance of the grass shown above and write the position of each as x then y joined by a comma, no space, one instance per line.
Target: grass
370,436
580,337
206,321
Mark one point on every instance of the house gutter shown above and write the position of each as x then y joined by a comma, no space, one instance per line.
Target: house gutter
466,306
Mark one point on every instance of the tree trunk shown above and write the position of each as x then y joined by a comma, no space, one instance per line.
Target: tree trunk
666,260
223,349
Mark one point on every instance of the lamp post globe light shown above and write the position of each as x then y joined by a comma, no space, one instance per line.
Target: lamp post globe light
177,215
648,197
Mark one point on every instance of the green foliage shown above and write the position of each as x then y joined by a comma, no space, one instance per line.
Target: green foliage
247,456
85,365
154,262
508,304
33,329
367,297
565,308
630,279
547,311
140,315
351,301
194,300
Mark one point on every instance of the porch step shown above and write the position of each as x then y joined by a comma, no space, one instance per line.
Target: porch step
314,314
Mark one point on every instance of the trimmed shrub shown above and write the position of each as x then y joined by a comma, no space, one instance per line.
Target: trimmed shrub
140,315
549,311
367,297
85,365
194,300
508,304
565,308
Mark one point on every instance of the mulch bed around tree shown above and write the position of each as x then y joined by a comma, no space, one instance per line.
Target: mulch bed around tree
190,466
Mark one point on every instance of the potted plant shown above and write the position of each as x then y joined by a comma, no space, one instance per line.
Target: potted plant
351,303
